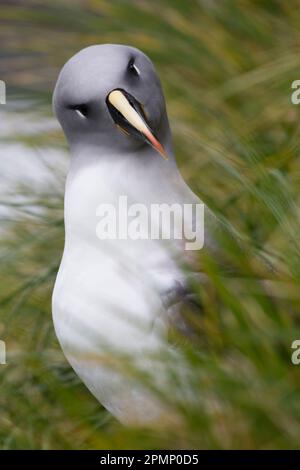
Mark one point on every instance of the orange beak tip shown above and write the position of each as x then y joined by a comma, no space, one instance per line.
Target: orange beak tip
164,155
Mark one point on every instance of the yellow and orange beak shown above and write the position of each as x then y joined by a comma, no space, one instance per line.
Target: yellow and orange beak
129,115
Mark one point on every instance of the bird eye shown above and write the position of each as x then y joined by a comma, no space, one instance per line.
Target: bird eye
133,68
81,109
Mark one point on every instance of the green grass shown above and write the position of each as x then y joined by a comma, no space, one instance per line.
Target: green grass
227,69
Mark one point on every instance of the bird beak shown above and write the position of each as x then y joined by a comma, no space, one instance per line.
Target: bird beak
128,114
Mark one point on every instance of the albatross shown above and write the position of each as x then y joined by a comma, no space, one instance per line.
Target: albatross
114,295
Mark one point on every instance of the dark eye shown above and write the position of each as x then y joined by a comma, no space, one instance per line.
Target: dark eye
81,109
132,68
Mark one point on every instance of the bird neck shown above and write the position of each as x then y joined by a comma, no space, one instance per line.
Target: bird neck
99,175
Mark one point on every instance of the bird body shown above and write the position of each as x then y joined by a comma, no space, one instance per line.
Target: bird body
108,300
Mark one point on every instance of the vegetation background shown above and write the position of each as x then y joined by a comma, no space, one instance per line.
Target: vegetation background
227,68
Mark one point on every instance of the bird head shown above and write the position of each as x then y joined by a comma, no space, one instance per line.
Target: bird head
110,95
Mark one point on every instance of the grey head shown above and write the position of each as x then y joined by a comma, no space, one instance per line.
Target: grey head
109,96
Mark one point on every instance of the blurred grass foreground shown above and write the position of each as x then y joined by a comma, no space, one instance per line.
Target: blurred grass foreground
227,69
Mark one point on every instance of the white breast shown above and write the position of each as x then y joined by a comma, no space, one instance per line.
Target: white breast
107,302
